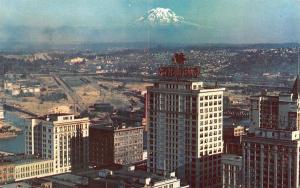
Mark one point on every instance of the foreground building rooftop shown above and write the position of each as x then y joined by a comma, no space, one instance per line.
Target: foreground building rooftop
136,178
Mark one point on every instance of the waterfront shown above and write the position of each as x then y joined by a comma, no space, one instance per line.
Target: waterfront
15,144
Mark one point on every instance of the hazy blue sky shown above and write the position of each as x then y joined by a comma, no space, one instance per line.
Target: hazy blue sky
206,21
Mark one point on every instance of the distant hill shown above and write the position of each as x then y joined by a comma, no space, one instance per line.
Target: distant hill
107,47
262,61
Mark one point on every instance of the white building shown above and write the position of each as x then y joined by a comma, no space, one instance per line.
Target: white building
271,154
185,121
23,167
33,169
62,138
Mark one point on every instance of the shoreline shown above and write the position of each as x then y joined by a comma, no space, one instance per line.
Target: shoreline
5,136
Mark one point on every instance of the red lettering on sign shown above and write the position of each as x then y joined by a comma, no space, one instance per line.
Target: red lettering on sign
180,72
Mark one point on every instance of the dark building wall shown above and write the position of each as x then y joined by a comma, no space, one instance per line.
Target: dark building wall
232,142
101,146
269,110
80,151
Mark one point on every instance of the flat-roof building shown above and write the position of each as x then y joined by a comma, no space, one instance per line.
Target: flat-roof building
112,143
60,137
129,177
185,122
22,167
271,152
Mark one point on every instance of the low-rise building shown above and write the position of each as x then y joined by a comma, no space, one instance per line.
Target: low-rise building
35,183
67,180
129,177
17,86
7,172
22,167
33,168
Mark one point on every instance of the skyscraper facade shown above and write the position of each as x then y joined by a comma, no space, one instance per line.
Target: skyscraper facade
185,121
271,153
62,138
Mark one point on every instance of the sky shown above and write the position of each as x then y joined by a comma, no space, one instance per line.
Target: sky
96,21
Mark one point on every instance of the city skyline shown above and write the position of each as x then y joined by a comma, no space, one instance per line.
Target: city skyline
190,22
149,93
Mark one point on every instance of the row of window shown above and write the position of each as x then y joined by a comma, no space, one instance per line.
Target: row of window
210,97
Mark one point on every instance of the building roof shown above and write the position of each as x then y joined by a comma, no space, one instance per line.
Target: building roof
67,179
110,126
232,159
134,178
21,159
61,117
54,116
16,185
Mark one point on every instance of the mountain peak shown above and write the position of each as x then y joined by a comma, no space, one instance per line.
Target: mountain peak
162,16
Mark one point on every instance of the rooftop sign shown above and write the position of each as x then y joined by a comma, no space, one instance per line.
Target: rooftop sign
179,71
178,58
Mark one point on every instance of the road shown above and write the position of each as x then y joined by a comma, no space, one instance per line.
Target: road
77,100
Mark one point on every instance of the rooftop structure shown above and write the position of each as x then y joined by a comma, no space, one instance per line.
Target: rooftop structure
130,177
67,180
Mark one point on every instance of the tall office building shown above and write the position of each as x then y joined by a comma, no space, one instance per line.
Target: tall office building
112,143
271,153
62,138
185,121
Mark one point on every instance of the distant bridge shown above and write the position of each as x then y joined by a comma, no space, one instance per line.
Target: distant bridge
15,108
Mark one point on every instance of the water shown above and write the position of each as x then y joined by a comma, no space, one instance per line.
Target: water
15,144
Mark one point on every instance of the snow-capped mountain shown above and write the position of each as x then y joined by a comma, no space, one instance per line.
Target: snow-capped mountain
162,16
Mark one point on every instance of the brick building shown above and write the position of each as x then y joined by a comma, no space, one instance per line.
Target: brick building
115,144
